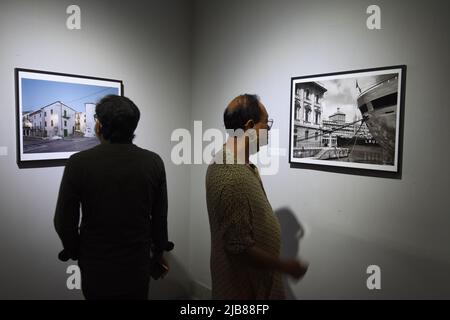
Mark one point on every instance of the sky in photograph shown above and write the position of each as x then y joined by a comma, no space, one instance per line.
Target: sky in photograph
343,94
40,93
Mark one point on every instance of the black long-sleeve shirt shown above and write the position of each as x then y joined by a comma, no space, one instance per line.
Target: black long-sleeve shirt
122,192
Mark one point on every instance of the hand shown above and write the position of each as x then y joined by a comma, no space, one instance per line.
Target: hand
164,262
295,268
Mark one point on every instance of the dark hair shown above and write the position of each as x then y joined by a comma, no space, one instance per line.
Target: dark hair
247,109
119,117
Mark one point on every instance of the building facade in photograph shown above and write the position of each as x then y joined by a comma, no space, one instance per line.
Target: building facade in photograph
80,122
308,112
27,125
313,136
53,120
90,120
337,131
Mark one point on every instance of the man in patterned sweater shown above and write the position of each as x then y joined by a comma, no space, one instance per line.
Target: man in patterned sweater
245,234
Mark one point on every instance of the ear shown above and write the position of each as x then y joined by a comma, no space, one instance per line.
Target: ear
250,124
98,128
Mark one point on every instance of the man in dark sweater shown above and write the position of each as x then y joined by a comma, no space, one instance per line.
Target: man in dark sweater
123,196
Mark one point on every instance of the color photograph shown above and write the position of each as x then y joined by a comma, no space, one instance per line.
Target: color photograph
56,113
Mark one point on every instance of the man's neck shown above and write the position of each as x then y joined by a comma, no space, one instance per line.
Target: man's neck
239,149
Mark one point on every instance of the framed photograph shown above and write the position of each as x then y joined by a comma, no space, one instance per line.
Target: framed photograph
55,114
348,119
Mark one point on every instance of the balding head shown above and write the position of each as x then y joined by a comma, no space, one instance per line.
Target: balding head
241,110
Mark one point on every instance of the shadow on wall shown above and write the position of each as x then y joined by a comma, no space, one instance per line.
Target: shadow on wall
292,232
174,286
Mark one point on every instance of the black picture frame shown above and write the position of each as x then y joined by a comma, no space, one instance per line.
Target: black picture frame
48,140
377,152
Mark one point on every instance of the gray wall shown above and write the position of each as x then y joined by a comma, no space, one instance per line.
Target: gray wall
349,221
144,43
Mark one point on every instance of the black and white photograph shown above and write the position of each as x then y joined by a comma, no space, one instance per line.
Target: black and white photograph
55,113
348,119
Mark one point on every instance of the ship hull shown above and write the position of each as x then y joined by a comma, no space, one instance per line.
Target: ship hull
378,106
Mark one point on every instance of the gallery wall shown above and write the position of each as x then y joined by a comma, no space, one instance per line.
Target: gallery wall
144,43
344,222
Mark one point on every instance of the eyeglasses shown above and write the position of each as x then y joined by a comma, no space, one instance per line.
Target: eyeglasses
269,124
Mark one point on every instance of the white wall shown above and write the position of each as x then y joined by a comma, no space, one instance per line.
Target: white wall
350,221
144,43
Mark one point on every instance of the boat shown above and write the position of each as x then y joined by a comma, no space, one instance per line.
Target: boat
378,106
